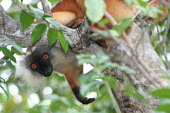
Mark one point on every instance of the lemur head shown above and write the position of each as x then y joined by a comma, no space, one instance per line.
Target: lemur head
40,61
35,65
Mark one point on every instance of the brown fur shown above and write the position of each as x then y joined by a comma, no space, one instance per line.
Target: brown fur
67,65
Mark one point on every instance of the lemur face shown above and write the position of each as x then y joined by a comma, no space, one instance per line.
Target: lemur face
40,61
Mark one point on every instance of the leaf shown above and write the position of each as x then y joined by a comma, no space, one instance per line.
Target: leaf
132,91
89,77
148,10
16,51
3,97
4,91
37,33
52,36
26,19
63,42
2,80
104,21
34,109
135,95
95,10
11,66
38,13
17,48
125,23
8,53
53,22
85,88
165,108
163,93
111,80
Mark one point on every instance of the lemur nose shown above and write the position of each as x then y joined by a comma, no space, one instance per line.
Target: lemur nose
48,71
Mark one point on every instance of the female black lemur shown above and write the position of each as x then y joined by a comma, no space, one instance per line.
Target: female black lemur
42,61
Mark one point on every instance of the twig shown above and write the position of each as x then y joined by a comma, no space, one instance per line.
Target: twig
22,8
164,42
46,7
116,106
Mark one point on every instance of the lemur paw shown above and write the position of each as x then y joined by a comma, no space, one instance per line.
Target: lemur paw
88,101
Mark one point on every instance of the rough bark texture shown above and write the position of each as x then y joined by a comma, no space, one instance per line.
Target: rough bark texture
138,39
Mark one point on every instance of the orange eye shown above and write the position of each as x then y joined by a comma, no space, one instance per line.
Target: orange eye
45,56
33,66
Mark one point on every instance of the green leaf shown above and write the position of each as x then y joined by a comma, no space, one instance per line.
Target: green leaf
142,3
148,10
52,36
16,51
132,91
17,48
104,21
95,10
163,93
38,13
3,97
165,108
55,23
85,88
4,91
34,109
111,80
135,95
11,66
26,19
8,53
89,77
58,26
125,23
37,33
63,42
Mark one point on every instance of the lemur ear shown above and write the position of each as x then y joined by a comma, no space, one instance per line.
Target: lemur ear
30,49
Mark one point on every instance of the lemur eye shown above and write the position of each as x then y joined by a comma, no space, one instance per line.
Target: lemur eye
33,66
46,56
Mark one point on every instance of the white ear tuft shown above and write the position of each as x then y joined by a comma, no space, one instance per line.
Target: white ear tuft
27,75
